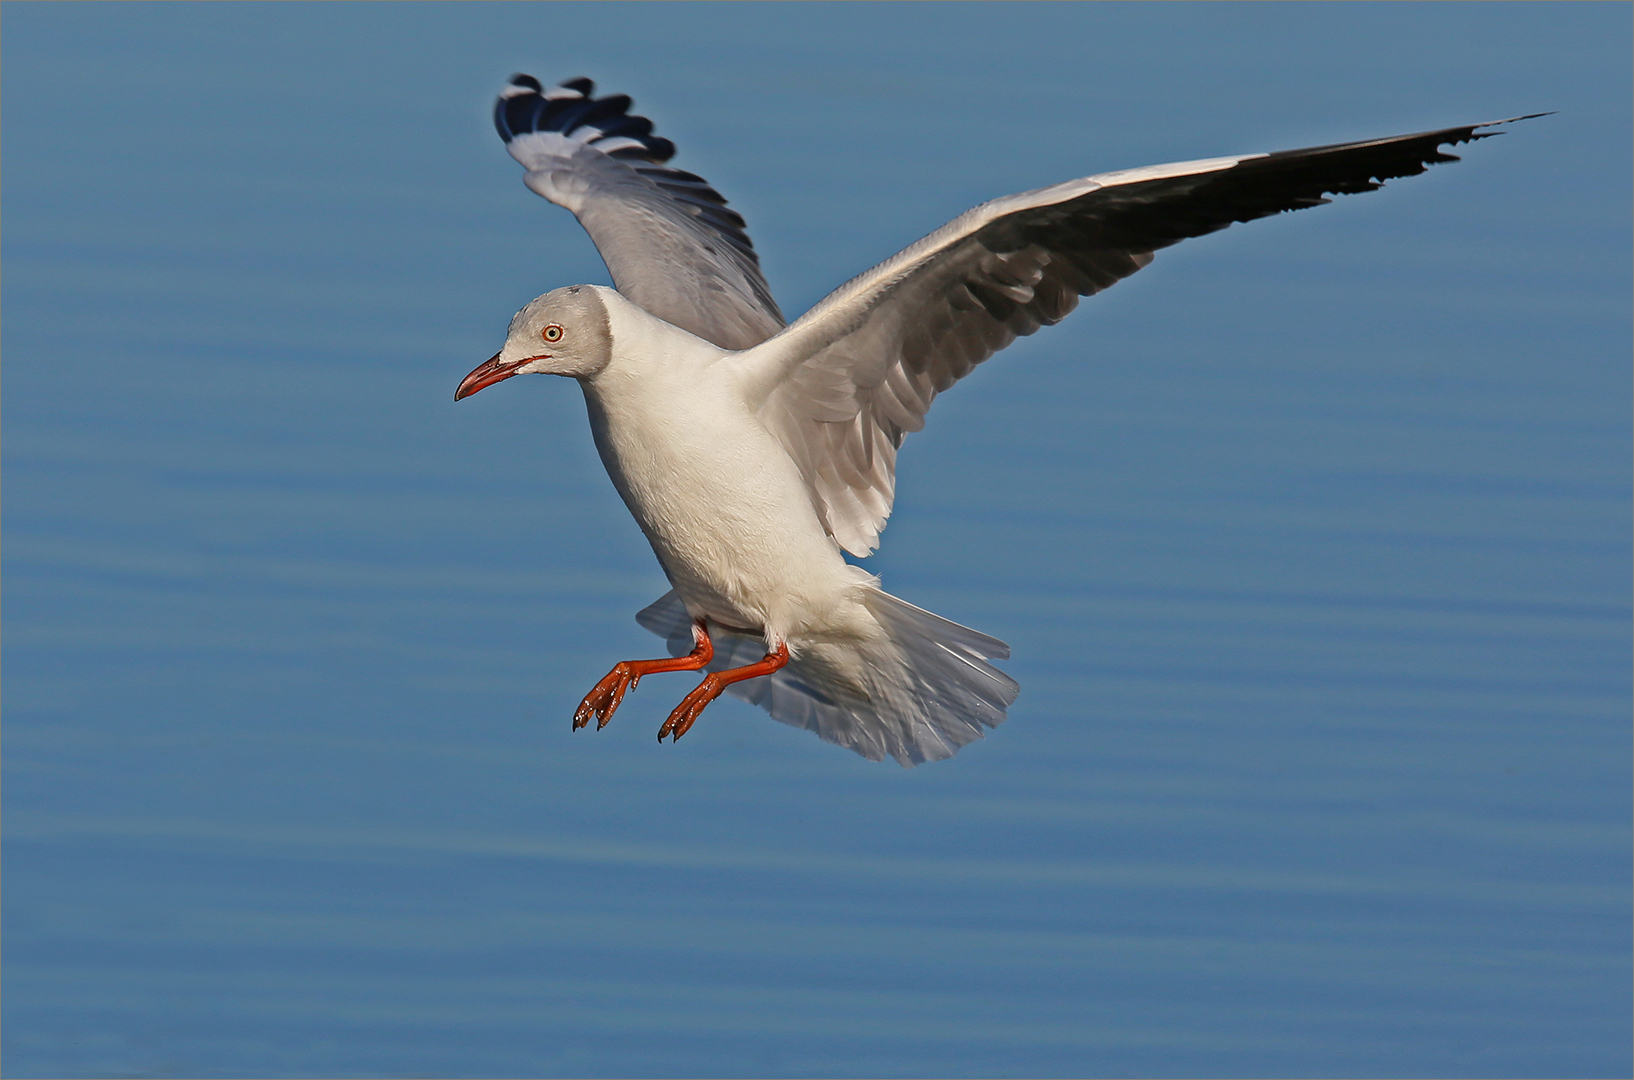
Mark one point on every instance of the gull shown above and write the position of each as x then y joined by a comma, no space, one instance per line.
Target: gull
754,453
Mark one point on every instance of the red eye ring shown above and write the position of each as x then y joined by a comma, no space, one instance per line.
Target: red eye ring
551,333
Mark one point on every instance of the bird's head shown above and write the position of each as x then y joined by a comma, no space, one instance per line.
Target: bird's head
564,332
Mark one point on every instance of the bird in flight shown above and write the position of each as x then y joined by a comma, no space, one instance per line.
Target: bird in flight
753,452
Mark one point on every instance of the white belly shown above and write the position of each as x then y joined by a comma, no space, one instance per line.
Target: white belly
723,506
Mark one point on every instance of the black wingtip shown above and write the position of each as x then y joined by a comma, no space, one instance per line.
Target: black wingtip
525,106
1518,119
1474,131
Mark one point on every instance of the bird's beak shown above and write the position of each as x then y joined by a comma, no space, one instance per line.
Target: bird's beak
489,373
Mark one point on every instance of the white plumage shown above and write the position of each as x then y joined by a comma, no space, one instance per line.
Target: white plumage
751,453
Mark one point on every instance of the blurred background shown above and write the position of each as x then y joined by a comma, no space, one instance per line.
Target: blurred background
1311,541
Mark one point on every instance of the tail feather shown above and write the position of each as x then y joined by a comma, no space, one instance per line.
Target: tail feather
919,695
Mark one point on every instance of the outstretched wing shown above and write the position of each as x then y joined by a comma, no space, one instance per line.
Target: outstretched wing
847,381
667,237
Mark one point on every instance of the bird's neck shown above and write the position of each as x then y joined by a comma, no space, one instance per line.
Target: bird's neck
649,355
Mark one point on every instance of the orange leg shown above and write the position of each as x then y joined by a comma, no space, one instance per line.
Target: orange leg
680,721
605,698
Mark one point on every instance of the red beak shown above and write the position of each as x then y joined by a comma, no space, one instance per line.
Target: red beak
489,373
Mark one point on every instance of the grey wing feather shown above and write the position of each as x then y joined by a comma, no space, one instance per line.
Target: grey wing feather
667,237
845,384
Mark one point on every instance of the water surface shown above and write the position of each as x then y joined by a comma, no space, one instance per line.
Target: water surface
1311,541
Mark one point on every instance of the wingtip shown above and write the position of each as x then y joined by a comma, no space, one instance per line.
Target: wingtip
1509,120
578,86
525,107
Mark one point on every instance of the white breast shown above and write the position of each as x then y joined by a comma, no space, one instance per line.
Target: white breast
717,496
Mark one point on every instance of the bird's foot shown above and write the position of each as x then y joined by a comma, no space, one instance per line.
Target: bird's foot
602,701
605,698
681,720
686,714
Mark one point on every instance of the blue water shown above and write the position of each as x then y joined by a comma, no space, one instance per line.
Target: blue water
1312,542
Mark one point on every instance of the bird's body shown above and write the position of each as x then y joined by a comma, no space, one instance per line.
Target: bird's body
711,487
678,424
753,454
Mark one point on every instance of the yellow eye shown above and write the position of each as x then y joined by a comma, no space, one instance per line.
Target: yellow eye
553,333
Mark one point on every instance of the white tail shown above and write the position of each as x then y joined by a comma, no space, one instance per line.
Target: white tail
926,690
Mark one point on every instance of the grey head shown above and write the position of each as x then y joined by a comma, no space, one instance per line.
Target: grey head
564,332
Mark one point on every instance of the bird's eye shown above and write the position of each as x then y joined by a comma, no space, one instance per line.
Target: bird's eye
553,333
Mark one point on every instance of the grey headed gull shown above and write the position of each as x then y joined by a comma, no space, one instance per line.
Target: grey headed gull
753,453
